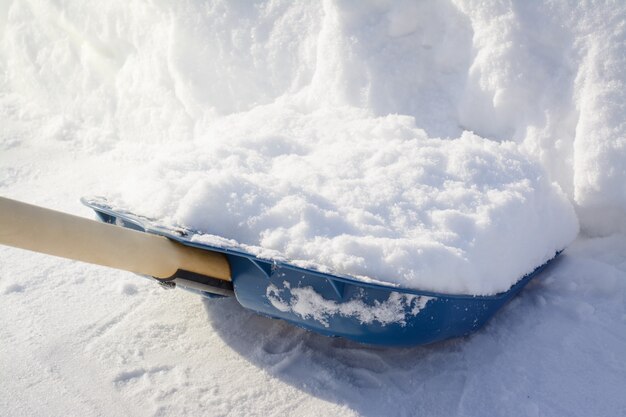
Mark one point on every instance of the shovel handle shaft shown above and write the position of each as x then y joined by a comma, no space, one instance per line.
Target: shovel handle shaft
47,231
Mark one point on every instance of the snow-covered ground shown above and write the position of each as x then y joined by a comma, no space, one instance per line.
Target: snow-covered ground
270,117
83,340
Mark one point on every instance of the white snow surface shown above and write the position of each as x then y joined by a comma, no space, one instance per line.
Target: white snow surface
307,129
450,145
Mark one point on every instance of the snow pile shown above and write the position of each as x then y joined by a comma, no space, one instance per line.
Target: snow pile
551,76
370,197
314,129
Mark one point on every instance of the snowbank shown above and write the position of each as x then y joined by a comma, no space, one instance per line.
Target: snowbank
314,129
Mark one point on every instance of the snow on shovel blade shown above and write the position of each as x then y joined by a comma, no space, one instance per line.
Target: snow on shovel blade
328,304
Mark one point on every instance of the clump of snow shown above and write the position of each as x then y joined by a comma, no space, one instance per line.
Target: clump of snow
308,304
373,197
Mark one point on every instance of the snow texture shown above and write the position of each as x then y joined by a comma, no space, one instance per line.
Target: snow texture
302,142
307,303
450,145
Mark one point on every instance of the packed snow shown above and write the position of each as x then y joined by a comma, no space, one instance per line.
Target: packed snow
450,146
373,198
307,303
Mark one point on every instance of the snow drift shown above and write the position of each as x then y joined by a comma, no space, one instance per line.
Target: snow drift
336,132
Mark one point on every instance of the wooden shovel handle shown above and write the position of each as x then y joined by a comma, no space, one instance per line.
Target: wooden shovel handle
47,231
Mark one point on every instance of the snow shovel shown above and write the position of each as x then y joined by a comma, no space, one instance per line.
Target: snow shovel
332,305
